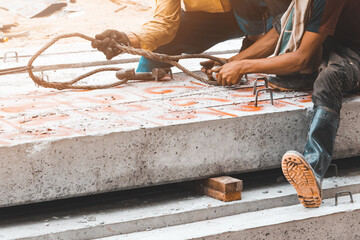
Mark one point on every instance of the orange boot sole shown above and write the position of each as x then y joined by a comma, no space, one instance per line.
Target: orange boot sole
300,175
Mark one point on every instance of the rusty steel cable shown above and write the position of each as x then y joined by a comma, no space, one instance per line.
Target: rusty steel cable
14,70
173,60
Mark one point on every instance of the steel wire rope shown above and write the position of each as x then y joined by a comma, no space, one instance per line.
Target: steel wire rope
173,60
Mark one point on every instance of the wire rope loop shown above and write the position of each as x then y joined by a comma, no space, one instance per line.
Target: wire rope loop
173,60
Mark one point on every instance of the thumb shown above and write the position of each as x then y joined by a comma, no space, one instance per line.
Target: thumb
208,63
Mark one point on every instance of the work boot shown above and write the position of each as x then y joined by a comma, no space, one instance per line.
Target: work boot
306,172
293,82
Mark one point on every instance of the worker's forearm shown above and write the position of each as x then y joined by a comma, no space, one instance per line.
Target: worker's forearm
283,64
262,48
305,59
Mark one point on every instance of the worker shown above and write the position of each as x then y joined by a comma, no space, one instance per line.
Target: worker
317,40
200,26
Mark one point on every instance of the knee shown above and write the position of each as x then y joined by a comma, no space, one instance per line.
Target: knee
328,79
328,88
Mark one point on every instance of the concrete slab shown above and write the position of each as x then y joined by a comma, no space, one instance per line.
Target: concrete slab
60,144
326,222
165,209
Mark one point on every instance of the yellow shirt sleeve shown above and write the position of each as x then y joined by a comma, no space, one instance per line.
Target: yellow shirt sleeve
166,20
163,27
211,6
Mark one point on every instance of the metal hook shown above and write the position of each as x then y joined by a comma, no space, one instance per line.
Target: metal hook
256,81
264,90
44,76
335,168
168,70
342,193
16,56
256,91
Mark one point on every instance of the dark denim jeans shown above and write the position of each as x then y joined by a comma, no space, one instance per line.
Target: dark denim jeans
339,73
198,31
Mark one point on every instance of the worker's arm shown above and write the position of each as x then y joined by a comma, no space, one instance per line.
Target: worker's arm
263,47
161,29
303,59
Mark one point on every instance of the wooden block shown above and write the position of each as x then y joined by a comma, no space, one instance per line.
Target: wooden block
222,188
224,184
226,197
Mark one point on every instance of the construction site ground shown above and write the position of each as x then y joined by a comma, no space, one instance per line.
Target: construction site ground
91,17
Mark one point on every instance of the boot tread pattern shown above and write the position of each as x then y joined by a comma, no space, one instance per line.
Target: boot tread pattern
300,176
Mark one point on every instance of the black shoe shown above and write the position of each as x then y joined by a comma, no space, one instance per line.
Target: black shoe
293,82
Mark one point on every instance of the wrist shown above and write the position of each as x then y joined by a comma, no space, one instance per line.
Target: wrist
133,39
249,66
235,58
246,66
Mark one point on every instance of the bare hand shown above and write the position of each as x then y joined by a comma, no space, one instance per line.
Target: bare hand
208,65
105,41
231,73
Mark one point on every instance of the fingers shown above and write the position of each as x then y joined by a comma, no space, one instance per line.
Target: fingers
103,35
235,80
101,45
207,71
105,45
223,80
228,76
211,67
219,79
109,53
121,38
106,40
214,73
208,64
95,43
228,80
